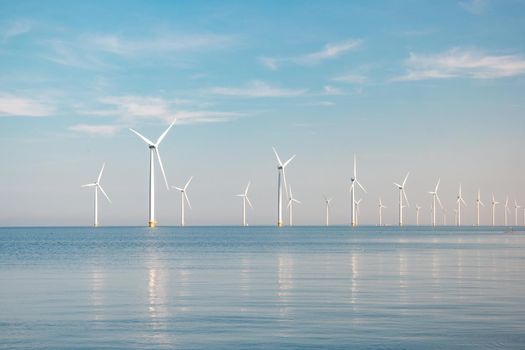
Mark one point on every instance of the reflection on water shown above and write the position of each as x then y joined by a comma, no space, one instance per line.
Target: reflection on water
262,288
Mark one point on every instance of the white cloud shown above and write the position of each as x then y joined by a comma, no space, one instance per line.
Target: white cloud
457,63
332,90
15,28
12,106
96,130
257,89
330,50
354,78
475,7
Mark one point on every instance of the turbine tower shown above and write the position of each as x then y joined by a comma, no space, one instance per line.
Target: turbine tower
478,203
507,210
291,201
418,208
327,203
183,197
444,217
354,180
245,199
494,203
434,197
516,207
281,174
154,150
459,200
97,187
402,195
381,207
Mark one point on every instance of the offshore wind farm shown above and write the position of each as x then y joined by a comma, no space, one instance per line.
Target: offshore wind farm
262,175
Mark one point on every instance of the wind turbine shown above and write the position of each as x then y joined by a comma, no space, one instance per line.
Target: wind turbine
444,216
456,217
459,200
507,210
357,210
353,180
478,203
434,197
97,186
281,173
183,196
401,195
291,201
516,207
327,203
494,203
154,150
381,206
418,208
245,199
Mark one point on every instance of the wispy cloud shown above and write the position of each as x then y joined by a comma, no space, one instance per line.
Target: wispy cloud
457,63
257,89
332,90
354,78
475,7
329,51
96,130
15,28
12,106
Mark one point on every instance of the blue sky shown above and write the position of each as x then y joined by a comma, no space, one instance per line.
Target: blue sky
431,87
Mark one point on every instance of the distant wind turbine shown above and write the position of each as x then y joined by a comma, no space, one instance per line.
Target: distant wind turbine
459,201
354,180
291,201
402,195
444,217
381,207
245,199
456,217
507,210
418,208
154,150
183,197
97,186
434,197
281,174
327,203
478,203
494,203
516,207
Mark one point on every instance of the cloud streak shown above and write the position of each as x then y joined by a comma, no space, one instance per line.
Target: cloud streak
257,88
15,28
461,63
15,106
96,130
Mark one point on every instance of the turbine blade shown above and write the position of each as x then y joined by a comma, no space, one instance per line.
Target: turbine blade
480,202
361,186
177,188
439,201
276,155
101,171
249,203
187,183
463,201
288,161
89,185
187,199
285,183
104,192
355,168
143,138
161,137
398,185
296,201
162,168
437,186
405,180
406,199
247,188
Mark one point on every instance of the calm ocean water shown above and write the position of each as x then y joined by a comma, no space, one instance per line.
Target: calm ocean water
262,287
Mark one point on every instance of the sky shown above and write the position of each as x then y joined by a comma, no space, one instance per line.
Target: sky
431,87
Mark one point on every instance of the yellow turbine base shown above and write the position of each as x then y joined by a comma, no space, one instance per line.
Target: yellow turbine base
151,224
279,224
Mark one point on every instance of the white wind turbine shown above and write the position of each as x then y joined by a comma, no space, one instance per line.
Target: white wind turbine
281,173
245,199
327,203
418,208
402,195
434,197
516,207
154,150
494,203
357,211
444,216
97,186
381,207
354,180
456,217
478,203
459,200
183,197
507,210
291,201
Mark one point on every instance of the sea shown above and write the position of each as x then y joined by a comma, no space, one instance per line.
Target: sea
262,288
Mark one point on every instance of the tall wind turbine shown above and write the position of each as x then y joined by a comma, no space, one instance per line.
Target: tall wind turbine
154,150
401,195
507,210
444,217
516,207
418,208
494,203
353,180
245,199
478,203
459,201
97,186
357,210
281,174
183,197
381,206
434,197
291,201
327,203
